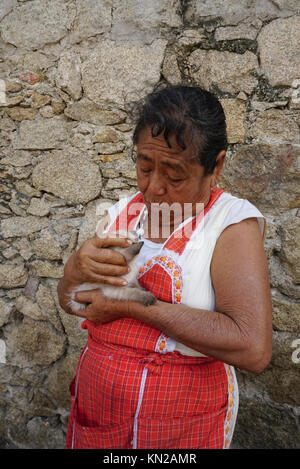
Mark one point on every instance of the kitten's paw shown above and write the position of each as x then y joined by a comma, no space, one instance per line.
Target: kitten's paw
149,299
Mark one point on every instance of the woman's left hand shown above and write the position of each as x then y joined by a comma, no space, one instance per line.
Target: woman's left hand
99,309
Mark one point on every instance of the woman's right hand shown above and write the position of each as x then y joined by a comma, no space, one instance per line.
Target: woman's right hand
96,262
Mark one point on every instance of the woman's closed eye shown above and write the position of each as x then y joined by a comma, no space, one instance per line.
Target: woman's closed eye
146,170
175,180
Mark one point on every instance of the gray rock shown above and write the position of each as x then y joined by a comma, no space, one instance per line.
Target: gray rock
275,426
38,207
35,24
231,11
274,126
286,313
22,226
46,269
47,305
70,176
42,134
259,172
5,310
87,111
247,30
68,76
170,69
46,246
6,6
131,71
278,45
228,71
290,251
139,19
93,17
45,434
235,113
287,390
35,343
28,308
77,336
94,213
60,378
17,158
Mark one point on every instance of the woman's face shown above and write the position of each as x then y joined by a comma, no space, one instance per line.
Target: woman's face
169,175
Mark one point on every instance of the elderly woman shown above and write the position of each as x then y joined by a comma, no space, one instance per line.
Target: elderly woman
162,376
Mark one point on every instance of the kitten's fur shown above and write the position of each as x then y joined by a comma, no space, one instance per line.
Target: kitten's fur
133,291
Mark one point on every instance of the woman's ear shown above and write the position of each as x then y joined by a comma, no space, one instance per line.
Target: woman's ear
218,167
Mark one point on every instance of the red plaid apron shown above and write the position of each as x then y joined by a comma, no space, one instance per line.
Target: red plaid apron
130,391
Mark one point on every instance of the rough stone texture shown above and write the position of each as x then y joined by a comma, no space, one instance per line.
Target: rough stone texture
94,213
68,74
36,23
228,71
86,111
246,30
42,134
132,18
6,6
275,126
71,72
73,178
46,246
290,252
257,172
235,11
20,114
235,113
20,226
279,50
35,342
285,313
171,70
131,71
5,310
93,17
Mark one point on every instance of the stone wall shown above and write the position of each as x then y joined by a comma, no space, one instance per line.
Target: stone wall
71,73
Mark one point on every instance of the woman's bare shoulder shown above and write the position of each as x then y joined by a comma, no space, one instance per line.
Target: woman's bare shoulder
239,270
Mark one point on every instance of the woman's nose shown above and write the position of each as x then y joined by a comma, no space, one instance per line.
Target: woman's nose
156,185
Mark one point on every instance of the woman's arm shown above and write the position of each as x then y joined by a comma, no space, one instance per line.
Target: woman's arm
239,332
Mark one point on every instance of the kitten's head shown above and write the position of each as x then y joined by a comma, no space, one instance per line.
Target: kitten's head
131,250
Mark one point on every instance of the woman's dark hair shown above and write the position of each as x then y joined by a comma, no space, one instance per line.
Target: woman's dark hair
192,114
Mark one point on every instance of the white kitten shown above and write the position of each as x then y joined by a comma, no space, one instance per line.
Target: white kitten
133,291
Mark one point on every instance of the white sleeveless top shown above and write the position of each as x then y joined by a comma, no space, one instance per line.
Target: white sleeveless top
195,260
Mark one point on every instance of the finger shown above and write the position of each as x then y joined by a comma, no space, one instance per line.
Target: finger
82,313
111,270
94,277
114,281
108,256
85,296
110,241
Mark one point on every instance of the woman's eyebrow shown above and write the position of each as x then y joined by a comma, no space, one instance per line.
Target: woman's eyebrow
175,166
142,156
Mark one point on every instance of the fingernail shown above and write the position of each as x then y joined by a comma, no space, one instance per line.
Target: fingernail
128,241
123,282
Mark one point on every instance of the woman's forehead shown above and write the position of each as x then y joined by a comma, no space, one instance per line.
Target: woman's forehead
149,144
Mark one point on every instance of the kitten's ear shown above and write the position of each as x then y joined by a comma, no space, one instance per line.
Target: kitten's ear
133,235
